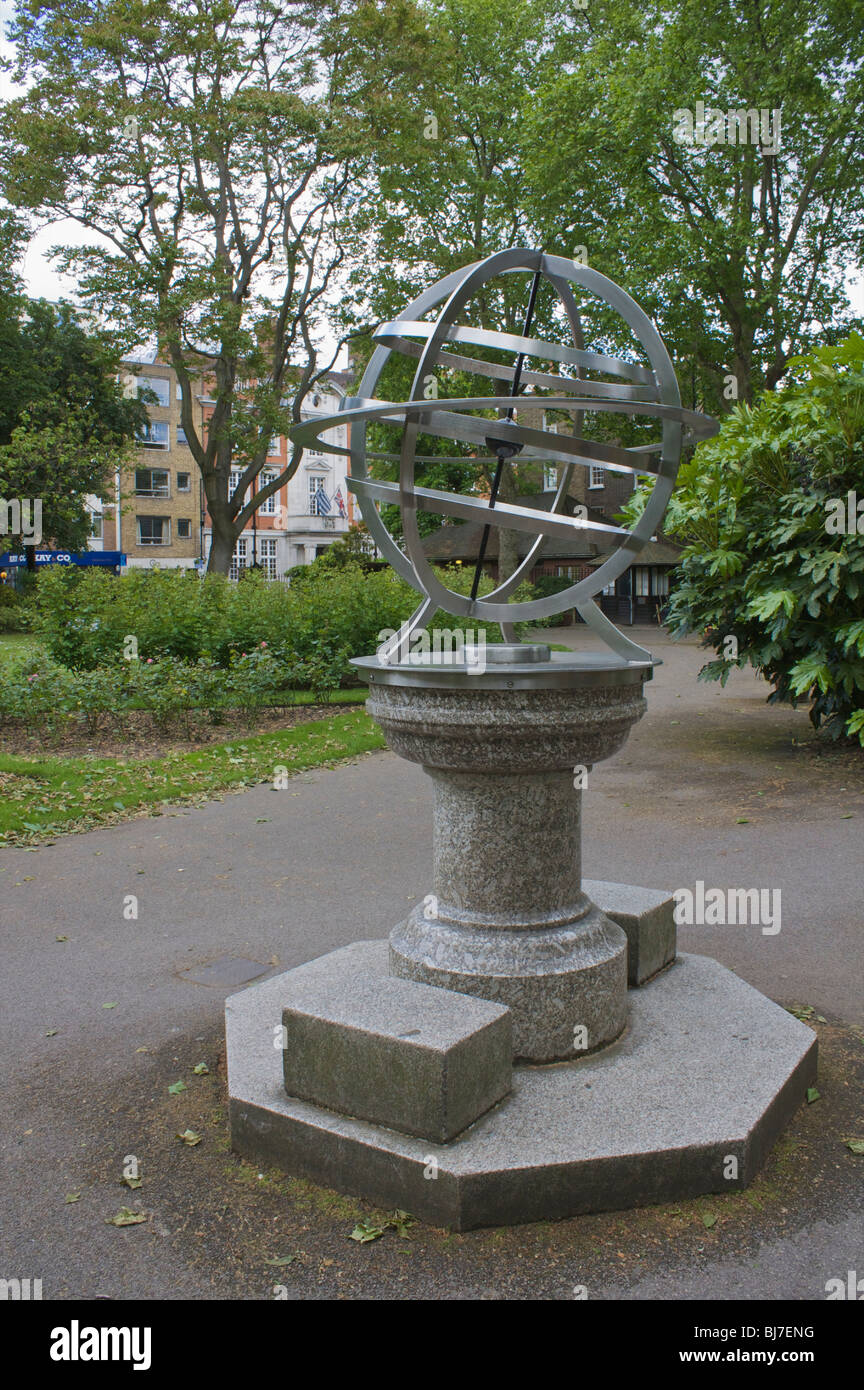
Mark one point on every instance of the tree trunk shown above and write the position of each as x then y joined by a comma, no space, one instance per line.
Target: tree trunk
222,542
508,540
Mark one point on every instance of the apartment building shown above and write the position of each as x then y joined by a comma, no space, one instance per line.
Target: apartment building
158,516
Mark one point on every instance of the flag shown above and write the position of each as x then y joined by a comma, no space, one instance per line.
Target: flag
338,499
321,502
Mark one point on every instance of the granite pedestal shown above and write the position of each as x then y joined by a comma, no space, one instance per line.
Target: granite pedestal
394,1078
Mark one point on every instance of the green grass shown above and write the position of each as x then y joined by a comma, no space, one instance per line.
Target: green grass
44,797
19,644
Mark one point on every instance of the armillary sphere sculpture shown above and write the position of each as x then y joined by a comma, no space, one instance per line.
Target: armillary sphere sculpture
642,390
425,1055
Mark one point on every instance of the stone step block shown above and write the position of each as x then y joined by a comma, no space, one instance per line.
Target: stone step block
423,1061
647,917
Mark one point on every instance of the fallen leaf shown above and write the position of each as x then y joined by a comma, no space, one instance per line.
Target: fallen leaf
201,1069
109,1006
189,1137
365,1231
282,1260
812,1094
708,1220
176,1088
61,938
742,820
73,1197
132,1182
52,1032
855,1146
125,1217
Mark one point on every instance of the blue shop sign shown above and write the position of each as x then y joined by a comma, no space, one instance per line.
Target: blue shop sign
109,559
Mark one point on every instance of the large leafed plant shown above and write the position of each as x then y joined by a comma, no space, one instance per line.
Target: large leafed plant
772,515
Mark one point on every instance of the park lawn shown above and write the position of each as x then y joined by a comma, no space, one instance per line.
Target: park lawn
19,644
44,797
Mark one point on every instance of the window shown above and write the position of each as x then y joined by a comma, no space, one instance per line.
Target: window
661,583
550,477
238,559
159,387
96,525
181,436
152,482
275,447
317,507
269,505
184,482
184,529
233,479
267,557
596,476
155,435
609,589
564,571
154,530
641,581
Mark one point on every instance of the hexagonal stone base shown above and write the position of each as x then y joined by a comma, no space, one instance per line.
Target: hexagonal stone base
688,1101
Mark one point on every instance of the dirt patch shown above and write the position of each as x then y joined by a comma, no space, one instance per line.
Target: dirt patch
138,734
239,1231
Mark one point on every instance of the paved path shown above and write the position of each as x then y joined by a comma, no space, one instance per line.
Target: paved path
276,877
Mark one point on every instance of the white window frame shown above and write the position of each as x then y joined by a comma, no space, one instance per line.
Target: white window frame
154,438
239,559
160,386
596,475
267,556
153,490
315,480
641,581
166,530
270,505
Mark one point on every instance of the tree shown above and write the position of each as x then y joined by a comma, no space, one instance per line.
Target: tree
205,144
447,187
65,424
773,571
737,249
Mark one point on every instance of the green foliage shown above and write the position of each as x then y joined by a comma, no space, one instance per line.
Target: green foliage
14,613
65,425
736,251
186,134
764,562
86,616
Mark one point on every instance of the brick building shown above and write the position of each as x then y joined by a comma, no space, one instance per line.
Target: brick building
158,515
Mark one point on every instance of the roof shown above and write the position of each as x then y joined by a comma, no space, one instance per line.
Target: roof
461,541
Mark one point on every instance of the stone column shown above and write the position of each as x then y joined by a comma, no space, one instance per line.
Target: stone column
507,919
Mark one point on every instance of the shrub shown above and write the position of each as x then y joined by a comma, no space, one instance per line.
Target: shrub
14,614
762,565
